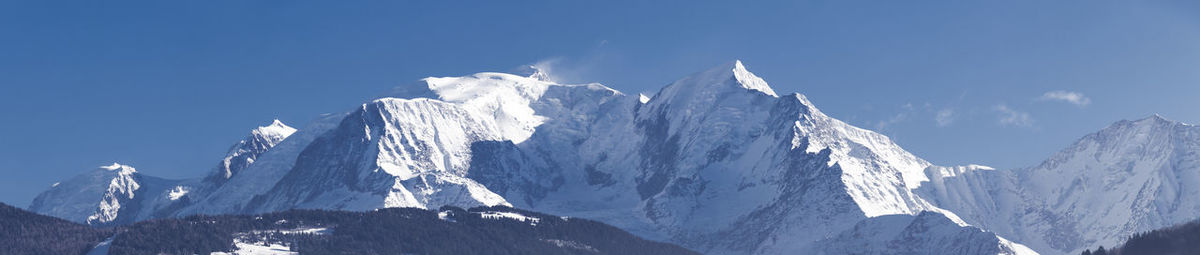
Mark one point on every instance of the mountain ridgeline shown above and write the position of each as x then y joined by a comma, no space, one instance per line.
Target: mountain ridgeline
717,162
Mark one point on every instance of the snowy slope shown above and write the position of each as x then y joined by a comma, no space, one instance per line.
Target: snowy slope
1130,177
924,233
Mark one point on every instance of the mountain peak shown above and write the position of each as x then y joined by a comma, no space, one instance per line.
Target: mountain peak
750,81
1152,119
245,152
1152,122
276,130
703,88
1156,119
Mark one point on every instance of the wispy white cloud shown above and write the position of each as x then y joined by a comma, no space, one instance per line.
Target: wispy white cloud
906,109
883,124
1010,117
944,117
1076,98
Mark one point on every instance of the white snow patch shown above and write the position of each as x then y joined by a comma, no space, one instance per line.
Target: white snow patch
246,248
445,215
178,192
312,231
510,215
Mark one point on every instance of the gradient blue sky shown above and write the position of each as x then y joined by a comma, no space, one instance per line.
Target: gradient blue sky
168,86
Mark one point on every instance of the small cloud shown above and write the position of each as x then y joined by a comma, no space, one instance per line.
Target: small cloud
944,117
1010,117
906,109
883,124
1076,98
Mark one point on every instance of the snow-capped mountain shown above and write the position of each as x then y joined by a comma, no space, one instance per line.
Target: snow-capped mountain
242,154
1131,177
259,175
717,161
108,195
119,194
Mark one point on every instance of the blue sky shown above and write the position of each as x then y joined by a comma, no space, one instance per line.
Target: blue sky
168,86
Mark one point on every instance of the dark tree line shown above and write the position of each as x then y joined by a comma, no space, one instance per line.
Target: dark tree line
389,231
383,231
416,231
23,232
1180,239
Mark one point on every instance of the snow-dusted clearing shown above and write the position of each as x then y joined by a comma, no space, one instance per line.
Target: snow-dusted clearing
510,215
244,248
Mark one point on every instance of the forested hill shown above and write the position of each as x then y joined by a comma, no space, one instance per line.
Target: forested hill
450,230
1179,239
23,232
